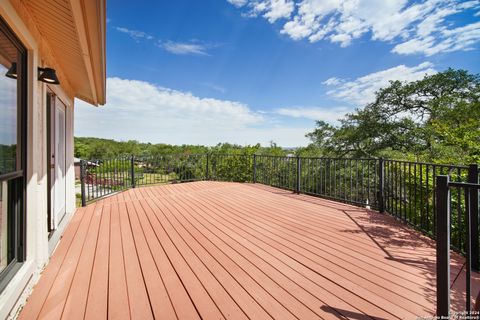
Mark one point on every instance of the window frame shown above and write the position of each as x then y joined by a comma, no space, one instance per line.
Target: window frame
17,179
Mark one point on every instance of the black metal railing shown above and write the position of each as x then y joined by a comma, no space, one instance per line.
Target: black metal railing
275,171
230,167
405,190
445,188
169,169
100,178
352,181
409,195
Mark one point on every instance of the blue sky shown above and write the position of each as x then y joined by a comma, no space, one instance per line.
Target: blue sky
248,71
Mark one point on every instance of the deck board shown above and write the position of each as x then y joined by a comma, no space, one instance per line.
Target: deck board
213,250
60,288
77,296
97,300
117,282
159,299
139,301
367,283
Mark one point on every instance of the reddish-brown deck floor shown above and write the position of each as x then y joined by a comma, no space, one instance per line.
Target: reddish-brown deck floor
216,250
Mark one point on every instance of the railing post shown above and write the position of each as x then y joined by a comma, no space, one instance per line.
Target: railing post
443,247
82,182
473,178
381,185
254,168
132,170
299,174
207,174
214,168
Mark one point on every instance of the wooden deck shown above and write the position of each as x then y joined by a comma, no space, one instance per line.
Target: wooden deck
212,250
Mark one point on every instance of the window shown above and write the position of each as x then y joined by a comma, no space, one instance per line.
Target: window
12,152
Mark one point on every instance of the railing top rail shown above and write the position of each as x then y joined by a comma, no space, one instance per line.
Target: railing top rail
464,185
127,157
229,155
94,160
442,165
272,155
193,155
315,158
171,155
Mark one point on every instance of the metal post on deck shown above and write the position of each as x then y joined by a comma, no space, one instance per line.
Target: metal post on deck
254,168
207,174
82,182
132,170
473,178
442,193
299,174
381,185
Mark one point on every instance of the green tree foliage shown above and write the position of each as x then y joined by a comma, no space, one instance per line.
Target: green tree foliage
7,158
96,148
434,119
160,163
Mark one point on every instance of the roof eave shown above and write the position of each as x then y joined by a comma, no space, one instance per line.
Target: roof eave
90,21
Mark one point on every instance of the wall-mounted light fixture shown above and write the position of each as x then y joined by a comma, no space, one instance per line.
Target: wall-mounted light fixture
12,72
48,75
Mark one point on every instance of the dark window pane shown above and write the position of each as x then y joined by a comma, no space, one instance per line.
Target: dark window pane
12,66
8,105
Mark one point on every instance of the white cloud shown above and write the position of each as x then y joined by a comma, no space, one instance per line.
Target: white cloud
193,47
343,21
314,113
362,90
358,92
332,81
215,87
461,38
146,112
135,34
344,39
273,10
238,3
184,48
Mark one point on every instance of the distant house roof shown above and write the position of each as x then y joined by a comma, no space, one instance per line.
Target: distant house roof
73,35
90,163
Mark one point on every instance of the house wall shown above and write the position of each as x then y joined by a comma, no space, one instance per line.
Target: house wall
38,246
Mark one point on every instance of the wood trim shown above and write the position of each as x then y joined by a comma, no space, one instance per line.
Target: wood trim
44,49
81,26
89,24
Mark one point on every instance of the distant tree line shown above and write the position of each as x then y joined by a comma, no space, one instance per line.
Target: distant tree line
97,148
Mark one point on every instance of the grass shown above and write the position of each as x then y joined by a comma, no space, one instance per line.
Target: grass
156,178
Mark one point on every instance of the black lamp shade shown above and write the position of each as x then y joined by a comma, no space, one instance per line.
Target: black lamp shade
12,72
48,75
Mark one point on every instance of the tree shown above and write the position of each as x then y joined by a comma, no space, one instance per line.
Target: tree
436,118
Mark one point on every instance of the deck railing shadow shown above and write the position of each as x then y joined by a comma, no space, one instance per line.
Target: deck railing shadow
348,313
